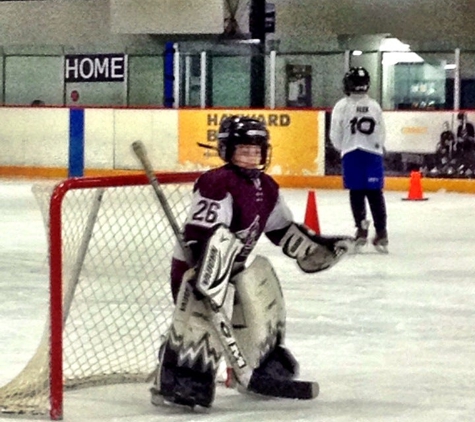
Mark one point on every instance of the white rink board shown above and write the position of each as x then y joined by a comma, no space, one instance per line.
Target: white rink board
39,137
417,132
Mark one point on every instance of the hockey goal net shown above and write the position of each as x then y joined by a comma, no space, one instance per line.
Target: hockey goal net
110,246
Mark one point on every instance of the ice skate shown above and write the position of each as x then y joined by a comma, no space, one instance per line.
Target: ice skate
184,388
361,236
159,400
380,242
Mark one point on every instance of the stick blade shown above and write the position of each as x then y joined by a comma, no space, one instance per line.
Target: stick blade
284,388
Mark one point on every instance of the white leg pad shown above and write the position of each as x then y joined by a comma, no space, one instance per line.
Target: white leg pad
191,334
259,310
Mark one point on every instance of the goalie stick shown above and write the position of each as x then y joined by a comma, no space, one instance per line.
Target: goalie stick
220,323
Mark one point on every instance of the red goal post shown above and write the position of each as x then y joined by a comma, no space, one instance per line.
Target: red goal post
110,246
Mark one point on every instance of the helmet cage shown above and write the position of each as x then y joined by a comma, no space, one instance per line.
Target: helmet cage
237,130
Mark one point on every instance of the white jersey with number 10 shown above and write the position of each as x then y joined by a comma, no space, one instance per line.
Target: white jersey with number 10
357,123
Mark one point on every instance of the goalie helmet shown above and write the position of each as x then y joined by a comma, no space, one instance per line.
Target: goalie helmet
237,130
356,81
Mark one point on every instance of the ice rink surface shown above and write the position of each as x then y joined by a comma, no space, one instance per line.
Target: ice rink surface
388,337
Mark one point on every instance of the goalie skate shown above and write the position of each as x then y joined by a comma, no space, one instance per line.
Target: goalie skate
157,399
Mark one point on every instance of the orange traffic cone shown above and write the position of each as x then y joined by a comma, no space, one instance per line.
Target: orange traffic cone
311,215
415,188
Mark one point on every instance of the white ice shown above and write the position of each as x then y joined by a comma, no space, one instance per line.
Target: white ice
388,337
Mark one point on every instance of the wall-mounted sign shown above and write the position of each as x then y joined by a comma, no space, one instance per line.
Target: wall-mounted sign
294,136
95,68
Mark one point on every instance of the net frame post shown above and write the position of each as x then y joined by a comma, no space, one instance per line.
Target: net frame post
56,303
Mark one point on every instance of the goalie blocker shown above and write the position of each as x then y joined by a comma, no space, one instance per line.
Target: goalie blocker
252,299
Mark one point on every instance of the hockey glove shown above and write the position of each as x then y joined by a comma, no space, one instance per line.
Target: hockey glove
313,252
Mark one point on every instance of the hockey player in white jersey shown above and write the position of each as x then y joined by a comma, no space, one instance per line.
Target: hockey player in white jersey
358,132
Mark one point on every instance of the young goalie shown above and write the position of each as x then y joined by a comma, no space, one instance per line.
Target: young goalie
232,206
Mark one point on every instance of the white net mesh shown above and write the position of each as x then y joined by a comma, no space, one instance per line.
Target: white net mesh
117,247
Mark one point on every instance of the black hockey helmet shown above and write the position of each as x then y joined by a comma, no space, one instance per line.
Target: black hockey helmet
356,81
240,130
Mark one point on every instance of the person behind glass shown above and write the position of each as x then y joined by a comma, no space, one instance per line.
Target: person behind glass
358,132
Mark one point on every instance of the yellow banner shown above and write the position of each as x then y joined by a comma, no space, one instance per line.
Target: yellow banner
293,136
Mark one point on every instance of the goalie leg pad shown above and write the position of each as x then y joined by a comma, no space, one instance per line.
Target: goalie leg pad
191,355
184,385
259,311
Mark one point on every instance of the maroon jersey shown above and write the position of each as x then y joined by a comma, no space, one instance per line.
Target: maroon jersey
249,203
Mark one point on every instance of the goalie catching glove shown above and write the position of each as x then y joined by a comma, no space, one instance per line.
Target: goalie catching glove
313,252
